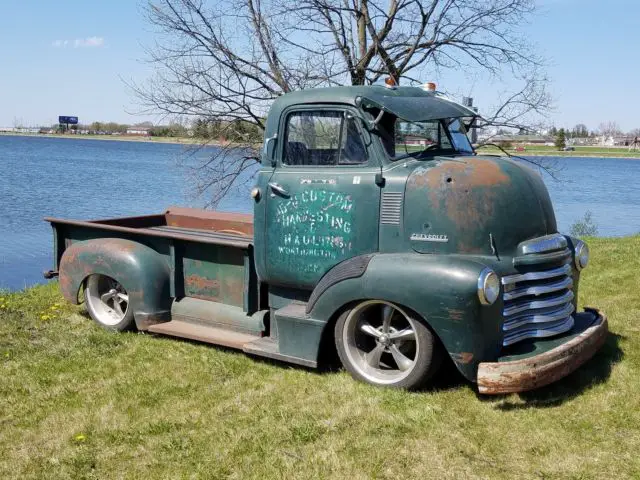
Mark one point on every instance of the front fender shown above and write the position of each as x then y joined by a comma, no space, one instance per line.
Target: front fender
441,289
142,271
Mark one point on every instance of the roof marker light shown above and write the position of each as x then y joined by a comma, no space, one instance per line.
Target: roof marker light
390,82
429,86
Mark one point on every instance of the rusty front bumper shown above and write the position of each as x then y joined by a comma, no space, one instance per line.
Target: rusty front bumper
536,371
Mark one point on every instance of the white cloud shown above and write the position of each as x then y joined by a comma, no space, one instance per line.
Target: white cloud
88,42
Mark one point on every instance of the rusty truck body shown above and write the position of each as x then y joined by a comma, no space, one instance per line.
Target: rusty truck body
377,231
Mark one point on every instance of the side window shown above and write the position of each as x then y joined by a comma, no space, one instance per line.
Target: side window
352,151
322,138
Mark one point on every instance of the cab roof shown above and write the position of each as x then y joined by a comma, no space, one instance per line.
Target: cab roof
409,103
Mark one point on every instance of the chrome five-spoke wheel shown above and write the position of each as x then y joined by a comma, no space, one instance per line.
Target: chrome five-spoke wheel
380,343
108,302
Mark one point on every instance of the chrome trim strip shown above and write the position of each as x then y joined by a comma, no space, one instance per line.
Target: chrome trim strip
552,316
539,333
534,304
524,277
545,244
539,289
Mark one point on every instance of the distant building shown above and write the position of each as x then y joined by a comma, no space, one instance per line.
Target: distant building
19,129
524,139
138,131
617,140
415,140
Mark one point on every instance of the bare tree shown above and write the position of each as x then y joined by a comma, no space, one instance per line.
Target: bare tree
522,109
609,129
227,60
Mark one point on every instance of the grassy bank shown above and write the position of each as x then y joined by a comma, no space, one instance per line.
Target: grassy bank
78,401
542,150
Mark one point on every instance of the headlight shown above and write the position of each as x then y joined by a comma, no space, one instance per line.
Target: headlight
581,255
488,286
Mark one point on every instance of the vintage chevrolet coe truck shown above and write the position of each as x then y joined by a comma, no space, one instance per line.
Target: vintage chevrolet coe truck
376,231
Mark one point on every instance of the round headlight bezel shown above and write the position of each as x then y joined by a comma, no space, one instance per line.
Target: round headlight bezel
488,287
581,255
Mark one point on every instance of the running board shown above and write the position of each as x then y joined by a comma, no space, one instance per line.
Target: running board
268,347
203,333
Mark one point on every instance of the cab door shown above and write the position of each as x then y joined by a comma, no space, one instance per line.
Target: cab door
322,199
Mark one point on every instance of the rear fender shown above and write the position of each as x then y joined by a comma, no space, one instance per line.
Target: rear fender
142,271
442,290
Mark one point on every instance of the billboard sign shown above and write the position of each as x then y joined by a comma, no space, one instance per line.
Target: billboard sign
68,120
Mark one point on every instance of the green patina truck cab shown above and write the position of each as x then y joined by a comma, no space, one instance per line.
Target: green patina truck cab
377,231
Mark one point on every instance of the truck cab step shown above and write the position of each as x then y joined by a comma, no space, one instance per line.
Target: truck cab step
295,310
268,347
204,333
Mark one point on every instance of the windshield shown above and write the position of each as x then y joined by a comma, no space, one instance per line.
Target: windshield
433,137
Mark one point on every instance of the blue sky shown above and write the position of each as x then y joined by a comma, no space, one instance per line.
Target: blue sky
69,58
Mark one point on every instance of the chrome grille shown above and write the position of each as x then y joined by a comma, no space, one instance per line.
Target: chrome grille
537,304
391,208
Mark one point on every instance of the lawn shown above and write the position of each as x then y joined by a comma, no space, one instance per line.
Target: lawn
80,402
543,150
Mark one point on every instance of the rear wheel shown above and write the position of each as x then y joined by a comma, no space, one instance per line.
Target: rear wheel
382,344
108,303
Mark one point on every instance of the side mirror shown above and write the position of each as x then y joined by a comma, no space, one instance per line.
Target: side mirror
265,151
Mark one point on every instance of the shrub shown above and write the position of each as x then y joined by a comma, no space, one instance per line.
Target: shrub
585,227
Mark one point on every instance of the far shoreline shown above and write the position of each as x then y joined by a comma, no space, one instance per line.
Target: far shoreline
187,141
116,138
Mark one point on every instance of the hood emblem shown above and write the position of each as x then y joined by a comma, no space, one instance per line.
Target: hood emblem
428,237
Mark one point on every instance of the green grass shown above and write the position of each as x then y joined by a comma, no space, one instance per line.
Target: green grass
79,402
543,150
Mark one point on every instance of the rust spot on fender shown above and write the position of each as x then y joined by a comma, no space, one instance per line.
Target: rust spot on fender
455,315
463,357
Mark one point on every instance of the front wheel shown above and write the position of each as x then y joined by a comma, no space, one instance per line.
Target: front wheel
380,343
108,303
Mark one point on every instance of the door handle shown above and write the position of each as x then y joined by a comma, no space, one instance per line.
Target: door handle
278,189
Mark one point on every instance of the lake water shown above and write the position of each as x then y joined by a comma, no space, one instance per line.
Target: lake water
89,179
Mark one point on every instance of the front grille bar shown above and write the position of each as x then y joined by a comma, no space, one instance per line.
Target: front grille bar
523,277
538,317
539,289
547,302
547,331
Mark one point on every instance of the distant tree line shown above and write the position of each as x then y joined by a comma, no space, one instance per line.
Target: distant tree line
206,129
608,129
234,131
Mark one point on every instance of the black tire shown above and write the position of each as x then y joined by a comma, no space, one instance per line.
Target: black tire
108,303
362,343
